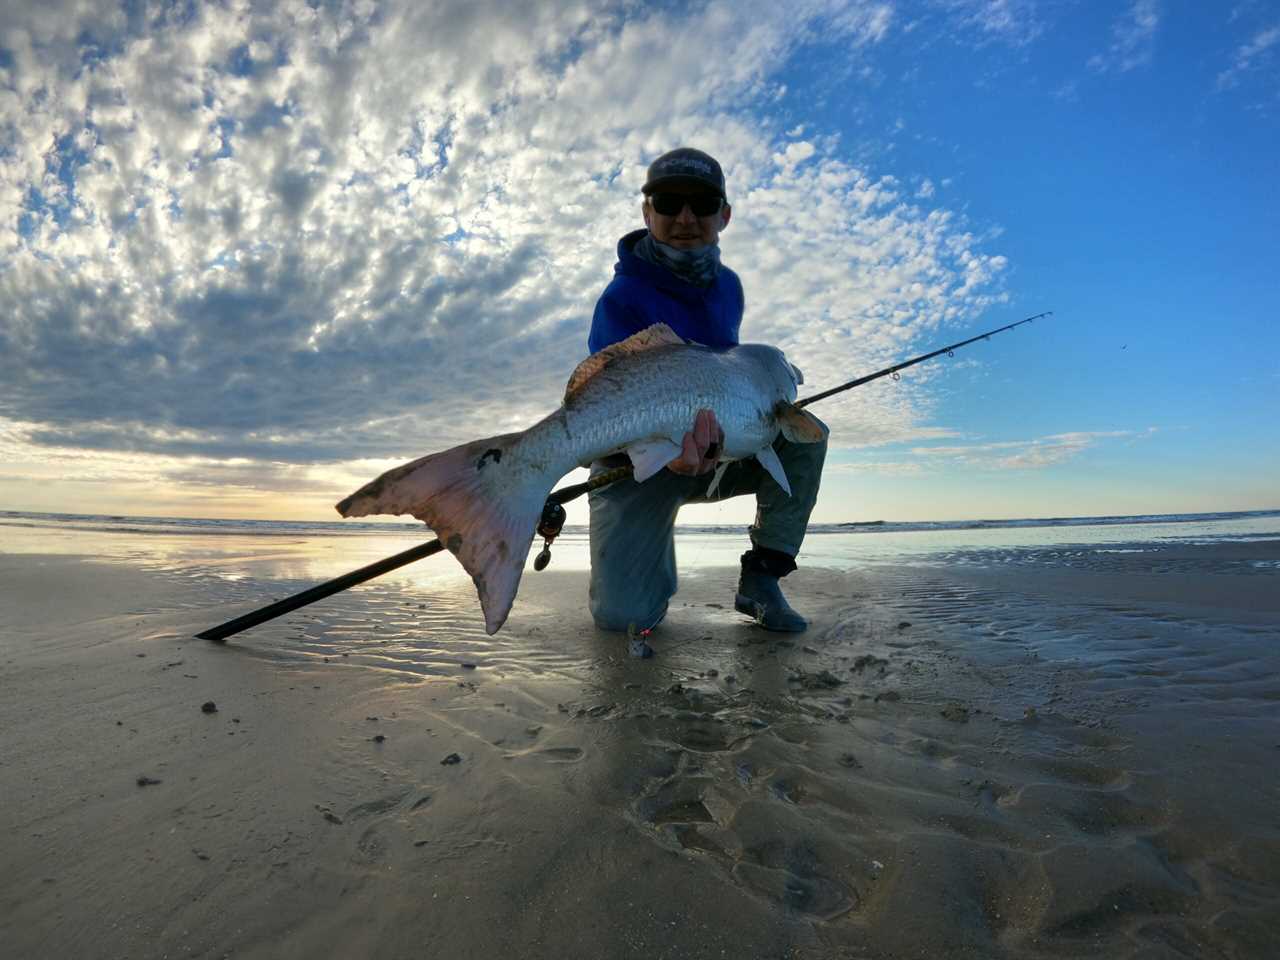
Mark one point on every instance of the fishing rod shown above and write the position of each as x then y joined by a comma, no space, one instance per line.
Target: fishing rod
553,513
553,517
893,371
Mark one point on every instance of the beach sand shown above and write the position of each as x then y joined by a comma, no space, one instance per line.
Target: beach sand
1032,761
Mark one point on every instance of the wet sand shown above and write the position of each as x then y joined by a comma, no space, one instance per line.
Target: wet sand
1029,761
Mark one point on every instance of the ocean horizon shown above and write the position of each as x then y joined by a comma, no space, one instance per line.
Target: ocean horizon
297,553
123,523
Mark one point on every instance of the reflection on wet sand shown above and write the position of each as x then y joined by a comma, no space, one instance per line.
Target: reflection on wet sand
1017,760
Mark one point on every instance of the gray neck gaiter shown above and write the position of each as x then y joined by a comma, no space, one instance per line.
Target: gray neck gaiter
698,266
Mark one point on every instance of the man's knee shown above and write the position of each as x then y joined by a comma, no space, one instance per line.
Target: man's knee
814,453
803,462
620,615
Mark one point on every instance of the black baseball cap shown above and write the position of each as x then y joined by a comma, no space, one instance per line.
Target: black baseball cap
688,166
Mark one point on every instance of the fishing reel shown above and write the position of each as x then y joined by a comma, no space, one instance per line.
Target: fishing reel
549,526
553,516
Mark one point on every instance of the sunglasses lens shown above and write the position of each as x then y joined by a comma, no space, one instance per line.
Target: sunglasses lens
670,204
705,206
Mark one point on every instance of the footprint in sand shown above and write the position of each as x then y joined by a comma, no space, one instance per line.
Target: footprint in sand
792,874
1093,812
1080,772
560,754
691,812
691,838
373,807
550,754
371,846
819,897
707,737
676,801
701,813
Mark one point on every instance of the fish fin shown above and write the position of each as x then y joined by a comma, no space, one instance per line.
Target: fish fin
650,456
712,487
657,335
483,503
768,458
800,426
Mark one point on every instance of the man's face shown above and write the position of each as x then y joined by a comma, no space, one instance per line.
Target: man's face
685,230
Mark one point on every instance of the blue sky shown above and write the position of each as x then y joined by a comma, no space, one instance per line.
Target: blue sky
252,256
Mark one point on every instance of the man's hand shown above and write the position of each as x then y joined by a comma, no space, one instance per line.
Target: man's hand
701,447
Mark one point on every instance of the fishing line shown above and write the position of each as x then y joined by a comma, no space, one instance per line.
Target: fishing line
893,371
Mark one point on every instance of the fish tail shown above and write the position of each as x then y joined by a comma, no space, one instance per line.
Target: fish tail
482,499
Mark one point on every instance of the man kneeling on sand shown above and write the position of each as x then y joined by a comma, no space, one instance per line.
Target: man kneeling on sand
671,273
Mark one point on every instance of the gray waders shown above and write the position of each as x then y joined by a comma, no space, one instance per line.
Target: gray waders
633,553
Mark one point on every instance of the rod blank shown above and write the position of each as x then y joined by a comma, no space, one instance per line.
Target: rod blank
348,580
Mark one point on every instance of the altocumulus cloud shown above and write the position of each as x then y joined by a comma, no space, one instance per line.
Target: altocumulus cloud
1132,39
1024,454
288,235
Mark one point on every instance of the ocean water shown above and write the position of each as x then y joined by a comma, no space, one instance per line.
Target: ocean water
302,553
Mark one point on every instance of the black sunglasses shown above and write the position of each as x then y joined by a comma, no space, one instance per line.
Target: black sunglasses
671,204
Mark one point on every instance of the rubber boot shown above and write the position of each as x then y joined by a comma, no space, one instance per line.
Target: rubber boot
760,598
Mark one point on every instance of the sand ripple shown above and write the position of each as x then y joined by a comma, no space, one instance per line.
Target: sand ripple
1034,759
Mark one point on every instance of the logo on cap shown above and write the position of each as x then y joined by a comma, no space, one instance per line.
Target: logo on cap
685,163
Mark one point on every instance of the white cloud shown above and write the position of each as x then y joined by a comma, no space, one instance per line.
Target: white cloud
1032,454
1250,56
1132,39
860,468
1022,454
1013,22
275,233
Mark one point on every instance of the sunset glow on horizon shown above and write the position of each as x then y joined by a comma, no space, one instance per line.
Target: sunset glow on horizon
253,255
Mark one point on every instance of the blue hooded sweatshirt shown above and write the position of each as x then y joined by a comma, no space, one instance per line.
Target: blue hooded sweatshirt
642,294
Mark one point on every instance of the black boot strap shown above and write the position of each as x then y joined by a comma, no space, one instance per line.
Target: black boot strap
775,563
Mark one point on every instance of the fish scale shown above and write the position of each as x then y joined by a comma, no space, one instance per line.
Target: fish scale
609,414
